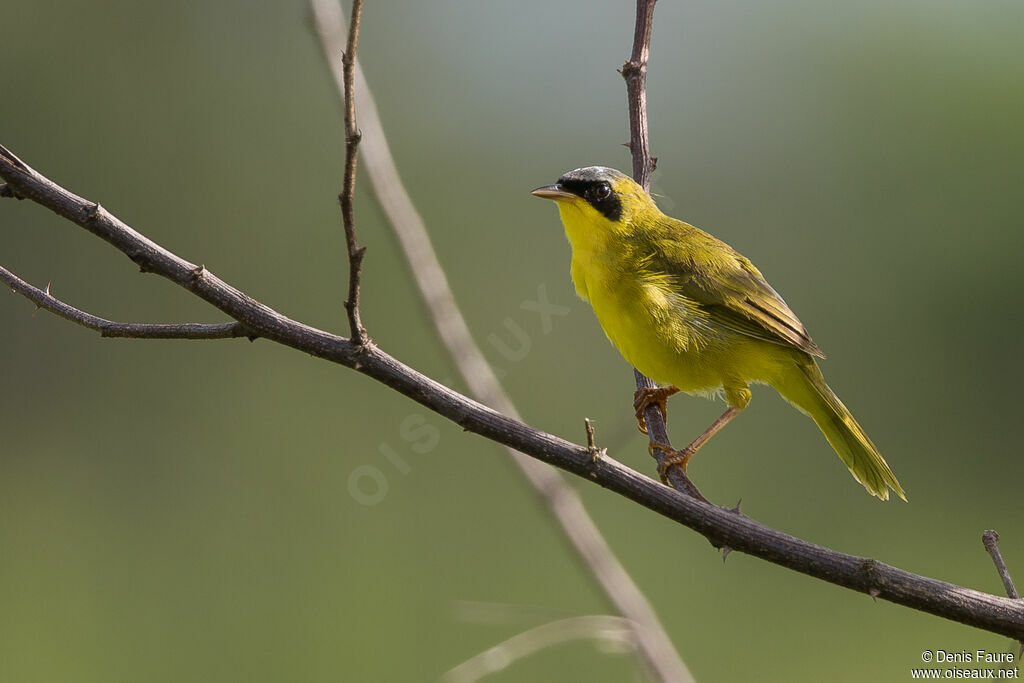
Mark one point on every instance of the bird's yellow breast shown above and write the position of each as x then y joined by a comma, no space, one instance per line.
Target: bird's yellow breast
659,331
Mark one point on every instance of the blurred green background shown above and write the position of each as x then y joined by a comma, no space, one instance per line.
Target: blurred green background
184,510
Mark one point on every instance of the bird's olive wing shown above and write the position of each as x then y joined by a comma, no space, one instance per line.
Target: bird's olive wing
729,288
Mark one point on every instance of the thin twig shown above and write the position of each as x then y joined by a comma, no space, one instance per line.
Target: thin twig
600,628
493,613
108,328
722,527
990,539
595,452
563,502
635,73
352,136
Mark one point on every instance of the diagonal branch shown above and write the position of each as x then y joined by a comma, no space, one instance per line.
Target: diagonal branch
352,136
722,527
108,328
563,502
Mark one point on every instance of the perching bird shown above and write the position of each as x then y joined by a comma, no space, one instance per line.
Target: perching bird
691,313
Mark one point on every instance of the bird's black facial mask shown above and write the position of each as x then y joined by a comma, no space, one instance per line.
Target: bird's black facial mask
596,190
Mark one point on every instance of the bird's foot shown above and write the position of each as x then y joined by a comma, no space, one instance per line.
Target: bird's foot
673,458
644,398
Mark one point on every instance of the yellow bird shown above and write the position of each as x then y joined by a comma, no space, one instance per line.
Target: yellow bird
694,315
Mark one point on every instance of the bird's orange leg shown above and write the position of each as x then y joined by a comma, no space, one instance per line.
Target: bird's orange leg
643,398
738,400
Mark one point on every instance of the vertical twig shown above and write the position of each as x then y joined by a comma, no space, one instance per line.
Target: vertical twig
565,505
352,137
635,73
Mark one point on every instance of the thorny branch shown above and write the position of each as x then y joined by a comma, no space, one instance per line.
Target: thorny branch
651,641
722,527
352,136
108,328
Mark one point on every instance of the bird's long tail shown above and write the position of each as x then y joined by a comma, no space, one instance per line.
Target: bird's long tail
807,390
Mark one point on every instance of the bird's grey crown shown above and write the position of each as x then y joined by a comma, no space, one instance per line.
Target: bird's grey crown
591,174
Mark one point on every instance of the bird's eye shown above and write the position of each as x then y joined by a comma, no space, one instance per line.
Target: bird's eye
602,191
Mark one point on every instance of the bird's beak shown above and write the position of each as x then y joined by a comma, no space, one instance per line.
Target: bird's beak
555,192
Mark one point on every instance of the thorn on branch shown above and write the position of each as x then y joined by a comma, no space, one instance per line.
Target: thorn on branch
139,258
725,552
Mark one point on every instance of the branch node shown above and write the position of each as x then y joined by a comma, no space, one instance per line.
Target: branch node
7,191
197,273
632,69
874,581
92,212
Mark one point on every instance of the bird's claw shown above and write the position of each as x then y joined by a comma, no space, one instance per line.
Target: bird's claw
673,458
644,398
